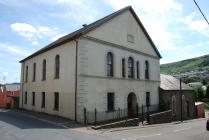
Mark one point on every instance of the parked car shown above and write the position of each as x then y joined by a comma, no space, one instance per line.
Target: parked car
207,124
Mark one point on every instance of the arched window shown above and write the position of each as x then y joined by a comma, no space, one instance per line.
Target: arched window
34,72
26,74
44,70
57,67
123,68
146,70
109,64
173,105
130,67
137,70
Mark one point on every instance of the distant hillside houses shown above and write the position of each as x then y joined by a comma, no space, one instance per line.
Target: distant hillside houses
199,74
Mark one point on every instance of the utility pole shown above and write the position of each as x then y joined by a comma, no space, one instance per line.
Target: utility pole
201,12
180,92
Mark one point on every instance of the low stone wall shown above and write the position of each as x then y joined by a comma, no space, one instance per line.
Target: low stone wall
161,117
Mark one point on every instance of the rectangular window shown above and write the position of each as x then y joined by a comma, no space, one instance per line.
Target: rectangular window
43,100
26,95
147,98
123,68
56,101
34,72
110,101
33,98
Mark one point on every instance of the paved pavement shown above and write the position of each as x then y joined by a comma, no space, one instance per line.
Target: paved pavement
189,130
16,125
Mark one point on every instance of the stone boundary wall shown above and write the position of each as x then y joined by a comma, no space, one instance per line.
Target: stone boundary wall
161,117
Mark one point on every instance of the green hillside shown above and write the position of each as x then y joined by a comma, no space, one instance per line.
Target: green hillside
199,63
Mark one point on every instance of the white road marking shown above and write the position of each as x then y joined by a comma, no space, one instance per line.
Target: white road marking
146,136
182,129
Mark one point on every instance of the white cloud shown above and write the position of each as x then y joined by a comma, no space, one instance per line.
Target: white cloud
12,49
34,33
79,10
196,25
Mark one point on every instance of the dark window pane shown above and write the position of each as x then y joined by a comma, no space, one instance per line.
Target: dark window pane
56,101
34,71
137,69
110,101
146,70
123,68
130,67
26,74
147,98
109,64
44,70
43,100
26,95
57,66
33,98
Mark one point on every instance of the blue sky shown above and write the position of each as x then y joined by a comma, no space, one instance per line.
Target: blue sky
176,26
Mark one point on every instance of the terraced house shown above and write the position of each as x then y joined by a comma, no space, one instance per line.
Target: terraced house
109,64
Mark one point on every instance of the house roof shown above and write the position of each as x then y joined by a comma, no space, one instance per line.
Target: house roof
90,27
169,82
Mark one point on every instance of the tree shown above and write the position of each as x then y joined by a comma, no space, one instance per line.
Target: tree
200,93
204,82
207,92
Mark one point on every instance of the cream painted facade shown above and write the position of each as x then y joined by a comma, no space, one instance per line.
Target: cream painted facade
90,87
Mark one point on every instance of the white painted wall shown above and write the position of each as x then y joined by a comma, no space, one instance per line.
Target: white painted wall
65,85
94,84
116,30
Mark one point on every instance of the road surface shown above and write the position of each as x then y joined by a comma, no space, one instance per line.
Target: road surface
18,126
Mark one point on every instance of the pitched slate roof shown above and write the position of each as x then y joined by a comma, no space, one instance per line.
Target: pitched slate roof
169,82
90,27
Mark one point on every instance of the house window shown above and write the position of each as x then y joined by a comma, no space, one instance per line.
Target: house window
57,67
34,72
33,98
110,101
123,68
173,105
56,101
44,70
146,70
130,67
109,64
26,95
137,69
43,100
147,98
26,74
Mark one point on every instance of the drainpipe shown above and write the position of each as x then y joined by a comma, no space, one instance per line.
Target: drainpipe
76,77
22,81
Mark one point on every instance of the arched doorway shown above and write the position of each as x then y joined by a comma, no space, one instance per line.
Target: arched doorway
132,105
